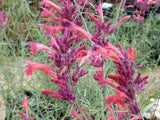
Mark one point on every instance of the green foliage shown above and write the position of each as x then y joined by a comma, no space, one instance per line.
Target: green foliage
22,27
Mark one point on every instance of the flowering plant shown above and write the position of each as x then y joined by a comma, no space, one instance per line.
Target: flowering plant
67,21
140,7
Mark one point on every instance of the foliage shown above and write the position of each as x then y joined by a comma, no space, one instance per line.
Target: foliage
23,29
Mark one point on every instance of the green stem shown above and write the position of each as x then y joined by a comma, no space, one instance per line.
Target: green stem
114,113
76,103
78,106
106,92
138,108
83,20
10,45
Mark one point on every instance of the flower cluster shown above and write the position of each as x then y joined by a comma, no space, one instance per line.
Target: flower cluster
138,8
126,84
141,7
66,21
62,49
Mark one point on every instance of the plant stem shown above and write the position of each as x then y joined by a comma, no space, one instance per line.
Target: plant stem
83,20
76,103
106,92
114,113
138,108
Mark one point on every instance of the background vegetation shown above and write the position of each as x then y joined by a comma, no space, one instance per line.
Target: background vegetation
22,26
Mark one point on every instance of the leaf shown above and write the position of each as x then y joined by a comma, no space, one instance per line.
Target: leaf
149,106
108,71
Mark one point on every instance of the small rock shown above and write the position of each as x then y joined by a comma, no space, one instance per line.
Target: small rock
106,5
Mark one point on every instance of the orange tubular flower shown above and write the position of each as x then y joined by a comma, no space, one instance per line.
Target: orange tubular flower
100,12
83,32
109,54
51,30
54,30
131,54
37,66
101,80
110,46
50,92
35,47
25,104
52,21
117,99
81,54
47,13
85,58
94,19
122,20
50,4
53,42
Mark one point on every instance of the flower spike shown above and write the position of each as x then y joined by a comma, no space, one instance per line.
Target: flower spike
100,12
25,104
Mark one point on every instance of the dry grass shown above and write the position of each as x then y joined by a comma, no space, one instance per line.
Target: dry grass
152,88
2,109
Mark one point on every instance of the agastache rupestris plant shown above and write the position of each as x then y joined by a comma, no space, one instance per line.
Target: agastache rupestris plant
126,85
142,7
139,8
66,21
64,53
124,61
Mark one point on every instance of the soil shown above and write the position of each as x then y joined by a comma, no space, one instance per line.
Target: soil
2,109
